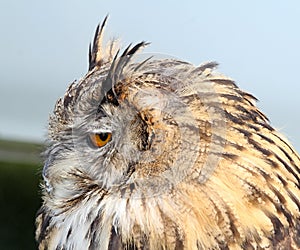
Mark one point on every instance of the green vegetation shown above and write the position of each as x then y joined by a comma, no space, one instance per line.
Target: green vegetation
20,167
20,146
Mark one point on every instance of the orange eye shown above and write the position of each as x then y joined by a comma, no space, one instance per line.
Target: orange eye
100,139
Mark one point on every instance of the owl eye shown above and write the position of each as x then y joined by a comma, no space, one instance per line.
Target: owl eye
99,140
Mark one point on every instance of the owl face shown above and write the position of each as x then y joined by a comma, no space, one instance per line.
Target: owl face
126,136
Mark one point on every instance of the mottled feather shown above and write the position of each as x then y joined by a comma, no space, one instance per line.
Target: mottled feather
192,163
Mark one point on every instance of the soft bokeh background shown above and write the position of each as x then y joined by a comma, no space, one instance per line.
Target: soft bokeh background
44,45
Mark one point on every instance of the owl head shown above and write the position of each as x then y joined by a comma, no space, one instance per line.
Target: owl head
133,124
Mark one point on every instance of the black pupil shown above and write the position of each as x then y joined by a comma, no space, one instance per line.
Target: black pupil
103,136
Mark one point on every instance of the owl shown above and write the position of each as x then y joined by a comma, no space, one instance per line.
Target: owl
152,152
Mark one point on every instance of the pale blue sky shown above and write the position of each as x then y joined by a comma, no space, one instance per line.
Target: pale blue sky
44,45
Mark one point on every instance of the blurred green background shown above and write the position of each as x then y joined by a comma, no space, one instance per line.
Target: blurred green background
20,167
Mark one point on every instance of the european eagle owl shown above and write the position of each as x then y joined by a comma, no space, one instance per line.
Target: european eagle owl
148,152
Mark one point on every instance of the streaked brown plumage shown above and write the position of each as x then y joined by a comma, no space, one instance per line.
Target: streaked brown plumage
160,154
